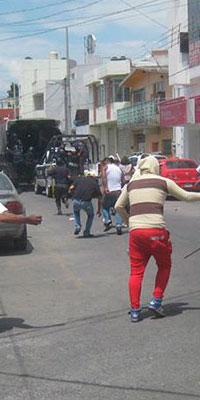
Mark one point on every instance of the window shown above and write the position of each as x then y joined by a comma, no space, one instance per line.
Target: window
5,184
139,95
167,146
119,94
179,164
159,90
100,95
38,101
154,146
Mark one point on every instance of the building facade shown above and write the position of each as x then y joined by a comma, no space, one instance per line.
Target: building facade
139,123
43,82
106,96
182,113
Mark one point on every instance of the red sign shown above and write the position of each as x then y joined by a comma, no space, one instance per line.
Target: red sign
173,112
6,113
197,109
194,53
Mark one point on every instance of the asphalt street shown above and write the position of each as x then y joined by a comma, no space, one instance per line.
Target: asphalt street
65,331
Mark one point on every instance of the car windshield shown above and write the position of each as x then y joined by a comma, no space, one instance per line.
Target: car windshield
5,183
133,160
177,164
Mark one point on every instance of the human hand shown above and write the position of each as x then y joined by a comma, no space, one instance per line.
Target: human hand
98,213
34,219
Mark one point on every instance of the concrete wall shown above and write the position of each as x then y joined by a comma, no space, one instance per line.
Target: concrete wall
34,75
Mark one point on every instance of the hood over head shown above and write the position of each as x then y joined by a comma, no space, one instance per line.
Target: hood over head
149,165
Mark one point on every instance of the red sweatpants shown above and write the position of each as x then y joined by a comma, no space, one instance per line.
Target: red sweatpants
144,243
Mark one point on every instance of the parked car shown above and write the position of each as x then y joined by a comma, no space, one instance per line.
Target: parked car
9,197
135,158
182,171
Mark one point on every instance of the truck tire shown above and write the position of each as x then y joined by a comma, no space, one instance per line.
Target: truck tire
48,191
37,189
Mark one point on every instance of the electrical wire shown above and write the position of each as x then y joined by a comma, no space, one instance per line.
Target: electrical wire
24,10
26,22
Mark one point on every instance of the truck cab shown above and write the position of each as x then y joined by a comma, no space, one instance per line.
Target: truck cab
79,153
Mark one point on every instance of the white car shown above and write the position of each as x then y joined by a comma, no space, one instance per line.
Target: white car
17,233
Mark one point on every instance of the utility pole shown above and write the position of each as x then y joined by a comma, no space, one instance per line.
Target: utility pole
14,100
67,89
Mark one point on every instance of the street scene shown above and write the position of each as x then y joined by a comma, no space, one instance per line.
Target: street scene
100,200
65,331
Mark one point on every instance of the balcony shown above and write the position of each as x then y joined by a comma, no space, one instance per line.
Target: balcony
139,115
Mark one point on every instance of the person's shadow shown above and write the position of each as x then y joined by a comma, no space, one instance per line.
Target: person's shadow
8,323
170,310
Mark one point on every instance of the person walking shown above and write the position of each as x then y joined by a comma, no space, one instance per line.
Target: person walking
146,193
111,187
84,189
127,170
61,175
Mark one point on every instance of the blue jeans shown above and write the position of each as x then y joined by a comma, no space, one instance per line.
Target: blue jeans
107,217
87,206
108,202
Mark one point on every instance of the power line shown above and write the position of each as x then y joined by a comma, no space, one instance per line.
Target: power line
144,15
24,10
26,22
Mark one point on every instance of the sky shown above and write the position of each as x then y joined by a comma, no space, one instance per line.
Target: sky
33,28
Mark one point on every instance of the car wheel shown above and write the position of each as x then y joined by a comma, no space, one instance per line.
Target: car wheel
38,189
21,242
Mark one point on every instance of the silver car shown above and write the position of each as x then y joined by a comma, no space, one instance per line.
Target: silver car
9,197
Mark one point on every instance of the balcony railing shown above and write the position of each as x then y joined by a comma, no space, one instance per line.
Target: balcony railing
141,114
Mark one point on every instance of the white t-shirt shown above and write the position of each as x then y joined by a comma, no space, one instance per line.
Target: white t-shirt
114,177
2,208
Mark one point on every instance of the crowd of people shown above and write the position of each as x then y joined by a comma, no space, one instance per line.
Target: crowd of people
134,198
131,197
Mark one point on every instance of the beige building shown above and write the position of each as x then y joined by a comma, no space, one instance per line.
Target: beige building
106,97
139,124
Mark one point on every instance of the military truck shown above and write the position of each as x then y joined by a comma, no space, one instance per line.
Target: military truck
79,153
26,141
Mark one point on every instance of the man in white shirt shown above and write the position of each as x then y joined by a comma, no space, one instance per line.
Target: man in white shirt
112,184
8,217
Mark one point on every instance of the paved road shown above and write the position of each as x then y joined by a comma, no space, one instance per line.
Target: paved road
64,327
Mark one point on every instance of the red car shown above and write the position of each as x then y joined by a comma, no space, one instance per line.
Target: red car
182,171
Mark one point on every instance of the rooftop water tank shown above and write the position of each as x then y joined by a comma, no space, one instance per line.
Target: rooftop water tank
53,55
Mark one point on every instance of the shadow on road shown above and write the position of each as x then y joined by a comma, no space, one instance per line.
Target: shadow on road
173,309
170,310
7,249
8,323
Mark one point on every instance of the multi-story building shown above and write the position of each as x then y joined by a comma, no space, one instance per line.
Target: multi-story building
183,113
42,81
43,91
139,123
106,96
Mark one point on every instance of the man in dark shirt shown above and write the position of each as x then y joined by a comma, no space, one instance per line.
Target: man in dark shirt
61,176
85,188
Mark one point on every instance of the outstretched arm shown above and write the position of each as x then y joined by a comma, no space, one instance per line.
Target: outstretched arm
20,219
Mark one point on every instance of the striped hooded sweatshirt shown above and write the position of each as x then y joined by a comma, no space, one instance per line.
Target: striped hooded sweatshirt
146,194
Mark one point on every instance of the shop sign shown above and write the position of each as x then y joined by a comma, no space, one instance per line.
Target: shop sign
173,112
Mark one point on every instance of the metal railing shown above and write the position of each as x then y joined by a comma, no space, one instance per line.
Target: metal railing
141,114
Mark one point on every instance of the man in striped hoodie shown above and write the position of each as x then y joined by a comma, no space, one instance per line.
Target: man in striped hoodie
146,194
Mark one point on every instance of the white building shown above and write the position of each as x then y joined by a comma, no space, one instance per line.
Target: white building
43,90
106,97
184,77
42,80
